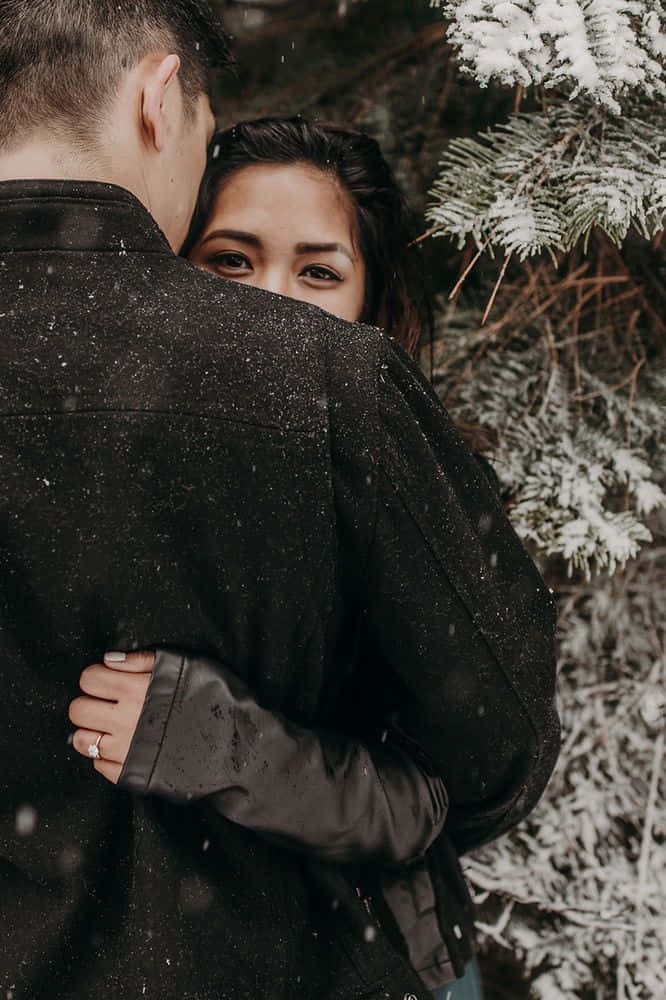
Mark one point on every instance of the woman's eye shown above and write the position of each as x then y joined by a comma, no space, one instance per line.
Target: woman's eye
232,261
320,273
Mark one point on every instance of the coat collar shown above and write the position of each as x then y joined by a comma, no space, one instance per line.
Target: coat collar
75,215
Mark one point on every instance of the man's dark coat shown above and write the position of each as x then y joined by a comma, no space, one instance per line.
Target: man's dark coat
189,463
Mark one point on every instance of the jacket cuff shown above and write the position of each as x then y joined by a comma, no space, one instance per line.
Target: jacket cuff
139,768
197,722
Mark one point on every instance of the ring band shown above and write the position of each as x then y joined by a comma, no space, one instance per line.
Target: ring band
93,748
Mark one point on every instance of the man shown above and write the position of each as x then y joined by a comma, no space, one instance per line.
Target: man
193,464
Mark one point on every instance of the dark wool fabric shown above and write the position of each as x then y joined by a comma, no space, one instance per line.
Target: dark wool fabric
194,464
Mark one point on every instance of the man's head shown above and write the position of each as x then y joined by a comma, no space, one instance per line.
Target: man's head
119,87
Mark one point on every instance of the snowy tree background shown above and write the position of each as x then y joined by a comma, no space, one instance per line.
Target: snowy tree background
530,138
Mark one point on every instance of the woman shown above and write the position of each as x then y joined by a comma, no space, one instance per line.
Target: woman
321,219
312,211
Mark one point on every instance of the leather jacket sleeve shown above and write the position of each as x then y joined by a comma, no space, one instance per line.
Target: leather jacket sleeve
202,735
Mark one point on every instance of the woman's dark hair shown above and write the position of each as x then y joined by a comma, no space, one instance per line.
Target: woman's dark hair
394,298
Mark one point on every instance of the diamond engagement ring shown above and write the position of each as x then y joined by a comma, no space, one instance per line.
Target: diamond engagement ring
93,748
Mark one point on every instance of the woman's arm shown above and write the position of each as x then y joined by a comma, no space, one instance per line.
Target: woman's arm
200,734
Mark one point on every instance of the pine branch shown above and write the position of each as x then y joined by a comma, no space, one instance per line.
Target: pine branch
544,181
599,49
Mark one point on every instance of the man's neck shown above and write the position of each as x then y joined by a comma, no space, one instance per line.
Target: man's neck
48,160
43,161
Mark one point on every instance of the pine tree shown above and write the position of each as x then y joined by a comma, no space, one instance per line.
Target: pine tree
569,381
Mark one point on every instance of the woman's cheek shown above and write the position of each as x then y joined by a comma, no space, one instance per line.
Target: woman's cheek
332,301
352,307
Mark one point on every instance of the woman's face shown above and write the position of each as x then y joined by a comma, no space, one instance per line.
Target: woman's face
286,229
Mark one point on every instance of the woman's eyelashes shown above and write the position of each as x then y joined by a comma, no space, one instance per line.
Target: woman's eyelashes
235,264
232,261
319,273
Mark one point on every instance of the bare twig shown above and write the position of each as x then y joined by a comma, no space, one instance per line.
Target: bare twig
459,283
648,823
620,385
496,289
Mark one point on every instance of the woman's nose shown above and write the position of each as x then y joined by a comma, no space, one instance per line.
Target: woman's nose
274,280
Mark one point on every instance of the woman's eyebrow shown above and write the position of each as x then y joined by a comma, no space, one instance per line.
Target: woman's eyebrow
234,234
303,248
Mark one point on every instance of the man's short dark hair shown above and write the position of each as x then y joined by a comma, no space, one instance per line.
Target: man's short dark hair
62,61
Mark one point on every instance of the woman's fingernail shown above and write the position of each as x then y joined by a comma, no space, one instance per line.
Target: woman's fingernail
115,657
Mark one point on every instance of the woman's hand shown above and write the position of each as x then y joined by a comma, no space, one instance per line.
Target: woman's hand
108,713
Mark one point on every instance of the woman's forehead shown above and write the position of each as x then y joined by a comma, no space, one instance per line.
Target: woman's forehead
296,197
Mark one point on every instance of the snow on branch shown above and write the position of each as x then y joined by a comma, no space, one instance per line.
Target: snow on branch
580,455
542,181
597,48
566,475
584,879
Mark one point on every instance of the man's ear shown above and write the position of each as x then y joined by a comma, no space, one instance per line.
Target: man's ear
153,97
